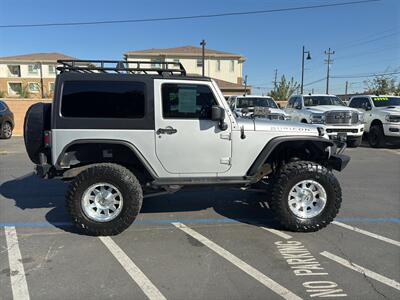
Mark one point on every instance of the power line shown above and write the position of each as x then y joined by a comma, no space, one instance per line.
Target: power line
366,75
316,81
188,17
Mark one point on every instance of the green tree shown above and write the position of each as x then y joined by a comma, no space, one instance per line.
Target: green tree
284,89
383,85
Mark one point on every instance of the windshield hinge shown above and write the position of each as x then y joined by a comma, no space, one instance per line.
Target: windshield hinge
225,136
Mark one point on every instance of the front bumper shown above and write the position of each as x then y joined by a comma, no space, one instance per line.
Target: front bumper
350,131
391,129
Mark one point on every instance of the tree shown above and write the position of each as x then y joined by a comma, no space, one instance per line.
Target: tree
284,89
383,85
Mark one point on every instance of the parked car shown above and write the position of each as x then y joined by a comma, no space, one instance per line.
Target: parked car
382,117
118,136
257,106
6,121
340,121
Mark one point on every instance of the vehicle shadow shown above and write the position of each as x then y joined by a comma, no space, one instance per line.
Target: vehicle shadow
32,192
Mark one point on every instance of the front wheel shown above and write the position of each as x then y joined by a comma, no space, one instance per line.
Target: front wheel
376,136
6,130
306,196
104,199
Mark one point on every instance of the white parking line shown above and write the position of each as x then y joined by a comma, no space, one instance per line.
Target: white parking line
260,277
376,236
130,267
278,233
390,282
17,273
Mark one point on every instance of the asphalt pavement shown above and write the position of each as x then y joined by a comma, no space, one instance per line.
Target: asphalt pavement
202,243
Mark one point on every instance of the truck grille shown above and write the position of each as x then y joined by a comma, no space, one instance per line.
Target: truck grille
341,117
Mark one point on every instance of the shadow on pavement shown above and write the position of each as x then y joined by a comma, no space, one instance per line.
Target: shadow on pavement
32,192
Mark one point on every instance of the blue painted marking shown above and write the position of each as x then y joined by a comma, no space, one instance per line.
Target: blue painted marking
199,221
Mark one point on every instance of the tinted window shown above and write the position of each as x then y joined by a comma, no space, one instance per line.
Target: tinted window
103,99
255,101
297,102
355,103
187,101
291,102
386,101
322,100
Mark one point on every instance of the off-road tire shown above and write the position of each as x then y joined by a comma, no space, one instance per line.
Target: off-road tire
113,174
376,136
354,143
287,177
6,130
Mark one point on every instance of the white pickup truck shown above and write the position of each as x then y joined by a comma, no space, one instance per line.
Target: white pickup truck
340,121
257,106
382,117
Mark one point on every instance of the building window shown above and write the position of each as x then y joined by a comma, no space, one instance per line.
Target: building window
52,69
33,69
155,63
33,87
14,70
218,65
199,62
232,66
14,88
51,87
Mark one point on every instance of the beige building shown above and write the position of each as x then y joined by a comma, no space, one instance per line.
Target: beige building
31,75
226,68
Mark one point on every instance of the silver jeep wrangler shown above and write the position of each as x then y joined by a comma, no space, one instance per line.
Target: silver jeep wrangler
120,130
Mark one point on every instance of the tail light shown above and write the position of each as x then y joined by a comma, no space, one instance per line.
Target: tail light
46,139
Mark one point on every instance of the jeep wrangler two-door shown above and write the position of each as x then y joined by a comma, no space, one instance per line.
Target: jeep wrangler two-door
127,130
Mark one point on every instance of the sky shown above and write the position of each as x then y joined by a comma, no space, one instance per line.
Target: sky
365,37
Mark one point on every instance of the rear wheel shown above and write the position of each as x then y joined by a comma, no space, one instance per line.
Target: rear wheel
104,199
376,136
6,130
354,143
306,196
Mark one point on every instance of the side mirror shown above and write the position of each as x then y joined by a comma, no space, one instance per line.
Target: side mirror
218,114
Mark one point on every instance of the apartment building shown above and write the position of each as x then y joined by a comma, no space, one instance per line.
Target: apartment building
30,75
226,68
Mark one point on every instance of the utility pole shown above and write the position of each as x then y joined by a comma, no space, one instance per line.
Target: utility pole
203,44
275,82
345,90
41,80
302,67
328,62
245,85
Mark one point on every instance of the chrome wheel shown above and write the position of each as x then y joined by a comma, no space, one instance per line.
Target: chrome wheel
307,199
7,131
102,202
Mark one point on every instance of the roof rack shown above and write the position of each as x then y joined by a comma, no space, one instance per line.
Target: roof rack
121,67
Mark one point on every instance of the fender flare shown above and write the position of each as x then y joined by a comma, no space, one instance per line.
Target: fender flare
129,145
322,143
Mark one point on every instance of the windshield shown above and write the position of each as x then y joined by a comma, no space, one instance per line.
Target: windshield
386,101
322,100
252,102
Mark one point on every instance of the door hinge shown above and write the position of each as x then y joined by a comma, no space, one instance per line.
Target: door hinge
225,136
225,160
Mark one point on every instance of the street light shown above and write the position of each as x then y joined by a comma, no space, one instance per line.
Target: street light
302,67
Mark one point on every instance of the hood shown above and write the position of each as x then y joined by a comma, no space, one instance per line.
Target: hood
293,128
390,110
271,111
324,108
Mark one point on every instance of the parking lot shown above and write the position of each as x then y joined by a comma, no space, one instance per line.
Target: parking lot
202,244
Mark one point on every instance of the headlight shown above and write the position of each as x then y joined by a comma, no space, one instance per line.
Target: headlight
392,118
317,118
361,117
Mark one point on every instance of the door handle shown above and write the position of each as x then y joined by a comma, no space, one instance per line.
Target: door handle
166,130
